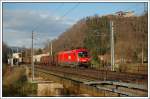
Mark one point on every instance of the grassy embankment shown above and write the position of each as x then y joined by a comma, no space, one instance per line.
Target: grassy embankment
15,82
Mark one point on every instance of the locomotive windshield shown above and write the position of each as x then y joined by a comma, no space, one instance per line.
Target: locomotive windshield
83,54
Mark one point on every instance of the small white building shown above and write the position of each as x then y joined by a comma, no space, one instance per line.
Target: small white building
17,56
125,14
15,59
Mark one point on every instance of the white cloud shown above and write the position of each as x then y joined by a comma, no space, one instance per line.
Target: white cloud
18,25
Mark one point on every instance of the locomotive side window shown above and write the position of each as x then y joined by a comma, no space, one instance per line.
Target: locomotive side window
83,54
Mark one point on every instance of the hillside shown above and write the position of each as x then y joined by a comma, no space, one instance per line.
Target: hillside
93,33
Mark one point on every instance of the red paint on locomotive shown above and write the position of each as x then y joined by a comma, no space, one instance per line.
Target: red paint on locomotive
74,57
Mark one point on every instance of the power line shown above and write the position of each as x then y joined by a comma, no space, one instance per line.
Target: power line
70,10
63,14
60,6
75,6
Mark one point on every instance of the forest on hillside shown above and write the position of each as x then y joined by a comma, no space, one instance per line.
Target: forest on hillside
93,33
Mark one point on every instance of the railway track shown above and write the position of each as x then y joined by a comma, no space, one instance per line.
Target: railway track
112,82
97,74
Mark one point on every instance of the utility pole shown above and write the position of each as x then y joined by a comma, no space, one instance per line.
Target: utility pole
112,45
18,57
142,56
32,53
51,49
11,59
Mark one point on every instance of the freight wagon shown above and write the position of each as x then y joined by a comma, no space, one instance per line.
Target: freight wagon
26,60
37,58
48,60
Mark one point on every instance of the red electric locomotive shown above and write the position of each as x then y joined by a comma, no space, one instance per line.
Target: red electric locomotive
77,57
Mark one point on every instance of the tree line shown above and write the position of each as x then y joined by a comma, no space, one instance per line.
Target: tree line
93,33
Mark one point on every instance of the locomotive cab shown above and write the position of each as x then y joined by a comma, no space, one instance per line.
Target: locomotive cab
83,58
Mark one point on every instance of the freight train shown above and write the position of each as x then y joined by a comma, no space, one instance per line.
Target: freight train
72,58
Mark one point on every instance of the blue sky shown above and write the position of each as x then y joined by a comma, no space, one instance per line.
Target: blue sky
19,19
83,9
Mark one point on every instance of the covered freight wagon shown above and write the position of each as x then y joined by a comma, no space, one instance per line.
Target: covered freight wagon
37,58
47,60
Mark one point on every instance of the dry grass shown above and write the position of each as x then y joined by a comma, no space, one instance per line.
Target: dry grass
15,83
13,76
134,68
